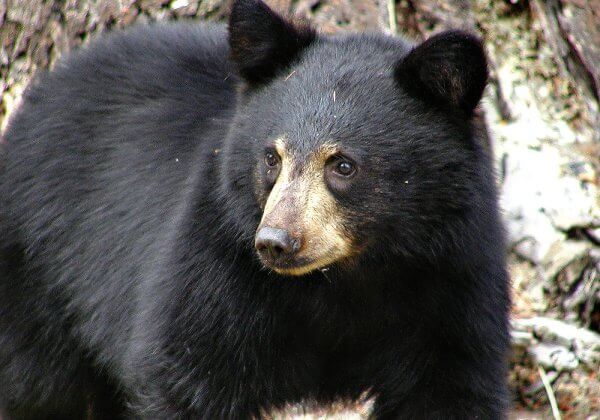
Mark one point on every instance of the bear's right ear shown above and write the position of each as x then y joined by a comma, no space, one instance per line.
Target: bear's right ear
262,43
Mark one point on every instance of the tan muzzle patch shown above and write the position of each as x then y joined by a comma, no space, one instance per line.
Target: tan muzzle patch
301,204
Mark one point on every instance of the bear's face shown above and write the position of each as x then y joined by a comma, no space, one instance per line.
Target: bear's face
349,145
297,190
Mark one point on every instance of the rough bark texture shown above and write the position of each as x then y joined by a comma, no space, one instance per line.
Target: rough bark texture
542,111
572,28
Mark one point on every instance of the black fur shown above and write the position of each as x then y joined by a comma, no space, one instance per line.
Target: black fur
449,68
262,43
129,284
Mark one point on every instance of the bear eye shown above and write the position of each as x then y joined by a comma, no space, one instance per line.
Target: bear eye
271,159
343,167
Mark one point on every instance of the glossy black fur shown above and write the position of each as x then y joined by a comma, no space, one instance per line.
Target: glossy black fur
129,283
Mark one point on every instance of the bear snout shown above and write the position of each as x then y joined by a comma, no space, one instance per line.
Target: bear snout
274,244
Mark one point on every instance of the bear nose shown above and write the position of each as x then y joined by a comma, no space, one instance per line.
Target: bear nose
274,242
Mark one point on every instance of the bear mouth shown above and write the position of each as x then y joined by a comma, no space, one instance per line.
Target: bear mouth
298,266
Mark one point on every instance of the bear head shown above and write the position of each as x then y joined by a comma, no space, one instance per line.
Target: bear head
349,146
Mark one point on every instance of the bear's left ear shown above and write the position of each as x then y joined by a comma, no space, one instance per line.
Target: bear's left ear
449,68
262,43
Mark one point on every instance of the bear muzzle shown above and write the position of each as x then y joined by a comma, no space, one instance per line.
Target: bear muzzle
274,244
281,251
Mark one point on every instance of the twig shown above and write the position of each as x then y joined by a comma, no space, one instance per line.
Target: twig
391,8
289,75
550,393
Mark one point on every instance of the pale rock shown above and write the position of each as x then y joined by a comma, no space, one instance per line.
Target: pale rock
540,201
558,337
553,356
560,255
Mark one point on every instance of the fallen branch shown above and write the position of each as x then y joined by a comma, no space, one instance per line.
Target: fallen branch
550,393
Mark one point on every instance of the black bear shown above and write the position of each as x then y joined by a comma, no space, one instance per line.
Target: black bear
209,222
